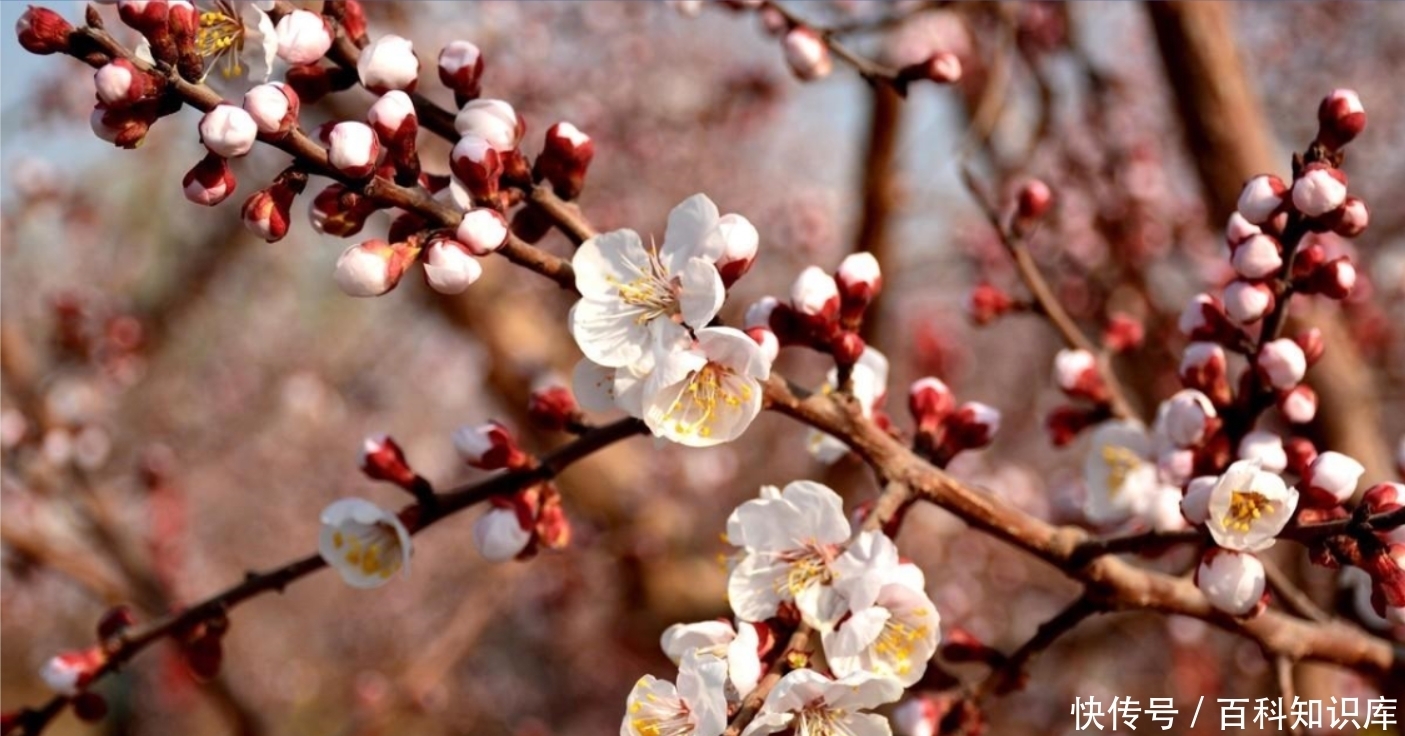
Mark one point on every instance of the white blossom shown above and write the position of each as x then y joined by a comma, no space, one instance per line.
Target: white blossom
707,393
697,706
895,637
738,647
807,703
364,543
1118,472
1249,507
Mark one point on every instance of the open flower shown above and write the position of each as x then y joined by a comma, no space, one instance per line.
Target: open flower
598,388
1119,474
708,393
695,707
239,39
1249,507
634,298
895,637
364,543
807,703
738,647
870,386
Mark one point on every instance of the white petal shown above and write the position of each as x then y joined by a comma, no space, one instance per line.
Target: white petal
607,260
868,724
679,639
862,691
609,333
593,385
702,683
735,350
752,588
700,292
692,233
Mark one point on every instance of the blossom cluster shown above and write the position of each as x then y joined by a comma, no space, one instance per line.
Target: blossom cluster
797,564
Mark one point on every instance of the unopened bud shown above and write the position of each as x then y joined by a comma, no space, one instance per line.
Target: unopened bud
268,212
274,107
371,268
1076,373
70,672
971,426
228,131
1233,582
552,406
1204,368
389,63
353,149
758,313
1299,405
1033,201
1123,333
495,121
768,342
394,120
1238,230
1301,452
339,211
1065,423
1331,480
1319,190
303,37
1340,118
489,447
121,84
942,67
1334,279
1267,448
146,16
114,621
815,295
210,182
461,69
1247,302
986,302
564,160
739,253
1257,257
807,54
1261,198
449,268
382,459
1187,417
477,164
553,529
847,347
504,531
859,279
312,82
352,17
1352,219
929,400
124,128
1384,498
42,31
482,231
1282,363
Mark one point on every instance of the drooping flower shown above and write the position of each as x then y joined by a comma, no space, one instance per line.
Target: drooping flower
807,703
364,543
1249,507
697,706
1118,472
708,393
634,297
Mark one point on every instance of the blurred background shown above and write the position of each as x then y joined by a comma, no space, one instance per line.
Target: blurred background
181,399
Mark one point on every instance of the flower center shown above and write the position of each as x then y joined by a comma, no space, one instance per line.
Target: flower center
373,551
220,40
818,720
1246,507
897,642
655,716
710,393
653,292
806,566
1120,464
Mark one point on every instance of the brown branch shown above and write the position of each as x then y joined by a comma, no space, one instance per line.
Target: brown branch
1293,597
872,71
1012,673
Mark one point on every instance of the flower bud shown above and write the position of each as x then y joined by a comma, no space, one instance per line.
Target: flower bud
70,672
371,268
389,63
1195,505
268,212
846,347
311,82
114,621
739,253
1310,341
553,528
971,426
393,118
1204,319
552,406
564,160
1340,118
1300,451
482,231
210,182
1261,198
121,84
448,267
859,279
758,313
919,715
1033,201
1267,448
228,131
929,400
986,302
461,69
1123,333
303,37
1204,368
146,16
1247,302
124,128
1187,417
1232,581
504,531
352,18
339,211
477,164
1065,423
1334,279
1319,190
382,459
489,447
1383,498
274,107
1257,257
807,54
353,149
815,295
1076,374
1282,363
1239,230
942,67
492,120
767,340
1331,480
1298,406
42,31
1352,219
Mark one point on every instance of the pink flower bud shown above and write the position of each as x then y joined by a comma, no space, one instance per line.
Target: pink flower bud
1033,201
1204,368
1233,582
846,348
815,294
339,211
489,447
228,131
449,268
42,31
1123,333
919,715
1320,190
121,84
929,400
1257,257
268,212
353,149
1282,363
551,405
461,69
389,63
1384,498
146,16
859,279
210,182
274,107
1187,416
742,242
1195,505
482,231
564,159
1340,118
1298,406
477,164
1334,279
1238,230
1267,448
985,303
1352,219
70,672
393,118
382,459
942,67
971,426
807,54
1247,302
303,37
503,532
1261,198
767,340
1331,480
124,128
492,120
1076,373
371,268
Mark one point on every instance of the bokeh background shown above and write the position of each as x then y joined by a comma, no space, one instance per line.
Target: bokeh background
181,399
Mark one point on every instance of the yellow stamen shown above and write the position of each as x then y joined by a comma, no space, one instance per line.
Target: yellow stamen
1246,507
1120,464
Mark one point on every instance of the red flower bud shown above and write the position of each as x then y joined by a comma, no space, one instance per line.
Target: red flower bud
552,406
461,70
382,459
42,31
210,182
929,400
1341,118
1123,333
985,303
1034,199
478,165
564,159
